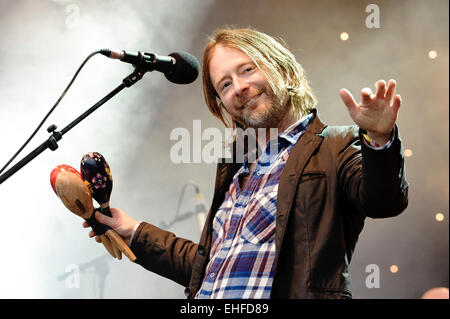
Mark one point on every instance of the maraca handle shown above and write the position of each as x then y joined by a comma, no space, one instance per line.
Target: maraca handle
116,250
100,230
119,243
109,247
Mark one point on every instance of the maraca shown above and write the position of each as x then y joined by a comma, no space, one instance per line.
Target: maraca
96,173
69,187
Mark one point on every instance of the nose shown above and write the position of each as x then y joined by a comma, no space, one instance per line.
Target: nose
240,86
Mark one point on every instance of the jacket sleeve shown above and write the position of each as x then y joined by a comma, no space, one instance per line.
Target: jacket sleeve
373,180
163,253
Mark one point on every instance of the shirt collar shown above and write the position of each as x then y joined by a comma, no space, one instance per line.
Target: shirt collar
290,134
293,132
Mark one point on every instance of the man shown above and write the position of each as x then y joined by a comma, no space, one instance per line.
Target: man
286,225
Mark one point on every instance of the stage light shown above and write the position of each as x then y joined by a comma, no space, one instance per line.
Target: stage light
344,36
439,217
408,152
432,54
394,269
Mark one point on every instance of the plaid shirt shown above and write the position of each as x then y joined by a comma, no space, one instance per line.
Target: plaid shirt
242,257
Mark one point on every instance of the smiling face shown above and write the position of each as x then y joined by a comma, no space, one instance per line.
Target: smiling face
243,89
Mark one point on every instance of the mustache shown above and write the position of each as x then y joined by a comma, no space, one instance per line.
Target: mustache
246,98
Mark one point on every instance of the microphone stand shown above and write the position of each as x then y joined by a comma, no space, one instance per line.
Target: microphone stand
52,141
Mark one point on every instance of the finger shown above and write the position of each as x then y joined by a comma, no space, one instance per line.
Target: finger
397,102
114,211
381,89
103,219
98,239
92,234
366,95
391,90
85,224
348,99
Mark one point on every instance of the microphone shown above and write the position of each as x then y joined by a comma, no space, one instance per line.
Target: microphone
200,209
179,67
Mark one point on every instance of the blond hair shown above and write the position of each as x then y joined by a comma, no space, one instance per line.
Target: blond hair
284,74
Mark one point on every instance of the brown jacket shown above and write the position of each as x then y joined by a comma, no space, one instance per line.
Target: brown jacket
330,183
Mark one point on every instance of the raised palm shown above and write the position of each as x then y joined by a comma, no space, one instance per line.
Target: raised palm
376,113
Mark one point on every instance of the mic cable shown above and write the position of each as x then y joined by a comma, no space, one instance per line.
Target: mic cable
51,110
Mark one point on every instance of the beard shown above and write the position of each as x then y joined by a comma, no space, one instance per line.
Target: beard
270,116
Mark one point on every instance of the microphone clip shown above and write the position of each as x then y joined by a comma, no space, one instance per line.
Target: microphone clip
143,65
131,79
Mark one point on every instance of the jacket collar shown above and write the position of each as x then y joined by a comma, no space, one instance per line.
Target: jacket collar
316,126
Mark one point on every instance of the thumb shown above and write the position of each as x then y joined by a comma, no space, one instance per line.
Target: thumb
348,99
103,219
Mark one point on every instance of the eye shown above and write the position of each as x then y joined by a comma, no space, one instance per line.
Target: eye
225,85
250,68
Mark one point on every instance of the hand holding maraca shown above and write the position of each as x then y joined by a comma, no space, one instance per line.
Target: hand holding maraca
120,222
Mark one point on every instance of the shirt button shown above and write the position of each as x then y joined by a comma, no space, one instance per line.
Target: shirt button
212,275
187,292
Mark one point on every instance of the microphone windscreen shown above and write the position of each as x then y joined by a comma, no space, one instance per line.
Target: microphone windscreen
187,68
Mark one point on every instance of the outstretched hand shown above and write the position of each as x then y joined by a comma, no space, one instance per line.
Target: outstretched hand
376,113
